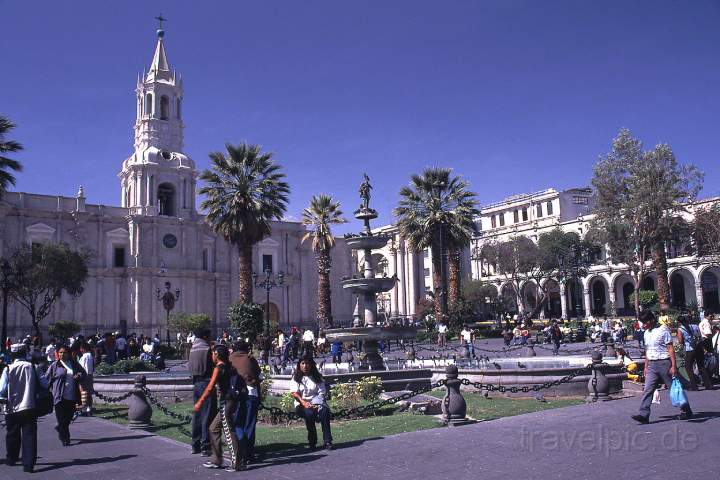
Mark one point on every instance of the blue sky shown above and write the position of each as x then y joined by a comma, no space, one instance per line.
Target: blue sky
515,95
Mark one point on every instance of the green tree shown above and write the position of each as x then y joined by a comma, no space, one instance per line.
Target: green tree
437,211
245,192
246,319
64,329
705,230
640,198
189,322
320,215
7,164
42,273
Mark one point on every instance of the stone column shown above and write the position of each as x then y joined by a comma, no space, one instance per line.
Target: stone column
586,301
393,271
699,294
401,278
563,301
412,281
613,305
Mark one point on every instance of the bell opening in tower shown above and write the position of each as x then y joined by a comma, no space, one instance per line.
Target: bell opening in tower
166,199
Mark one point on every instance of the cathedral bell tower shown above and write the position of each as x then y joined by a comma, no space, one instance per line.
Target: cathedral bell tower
158,179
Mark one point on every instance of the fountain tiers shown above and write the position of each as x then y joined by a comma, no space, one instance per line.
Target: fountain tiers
367,287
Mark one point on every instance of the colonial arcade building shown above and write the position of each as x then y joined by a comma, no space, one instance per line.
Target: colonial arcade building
158,236
605,290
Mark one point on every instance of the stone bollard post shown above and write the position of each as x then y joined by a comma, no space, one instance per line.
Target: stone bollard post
610,350
530,350
598,385
454,407
139,409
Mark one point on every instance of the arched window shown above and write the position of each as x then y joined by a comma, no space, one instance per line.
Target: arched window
178,108
164,108
148,105
166,199
129,198
185,193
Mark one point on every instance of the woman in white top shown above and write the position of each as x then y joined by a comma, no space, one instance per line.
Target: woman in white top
310,391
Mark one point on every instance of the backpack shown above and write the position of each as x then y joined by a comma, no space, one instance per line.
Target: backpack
237,388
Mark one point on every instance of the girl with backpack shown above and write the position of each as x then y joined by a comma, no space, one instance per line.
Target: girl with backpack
222,424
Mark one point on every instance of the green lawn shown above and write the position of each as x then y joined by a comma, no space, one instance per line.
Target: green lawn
481,408
286,437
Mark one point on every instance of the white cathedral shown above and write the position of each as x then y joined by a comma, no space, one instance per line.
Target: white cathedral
157,236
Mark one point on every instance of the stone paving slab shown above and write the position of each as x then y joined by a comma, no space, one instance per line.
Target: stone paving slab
580,442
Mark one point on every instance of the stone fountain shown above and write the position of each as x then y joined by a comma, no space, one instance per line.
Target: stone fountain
366,287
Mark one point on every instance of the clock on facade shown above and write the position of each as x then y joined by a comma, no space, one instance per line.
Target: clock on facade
170,240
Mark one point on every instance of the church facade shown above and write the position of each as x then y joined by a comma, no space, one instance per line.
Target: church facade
156,236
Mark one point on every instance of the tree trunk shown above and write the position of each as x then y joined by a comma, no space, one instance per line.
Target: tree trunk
439,300
660,264
638,282
245,273
453,276
324,308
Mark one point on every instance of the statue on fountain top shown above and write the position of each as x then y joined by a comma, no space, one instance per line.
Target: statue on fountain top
365,188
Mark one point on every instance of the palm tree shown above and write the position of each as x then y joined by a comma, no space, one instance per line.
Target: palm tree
437,211
7,178
245,192
323,212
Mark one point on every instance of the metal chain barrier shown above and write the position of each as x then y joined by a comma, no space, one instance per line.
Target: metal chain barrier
525,388
108,399
166,411
371,408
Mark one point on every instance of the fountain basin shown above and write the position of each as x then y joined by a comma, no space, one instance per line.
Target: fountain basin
370,333
369,285
365,242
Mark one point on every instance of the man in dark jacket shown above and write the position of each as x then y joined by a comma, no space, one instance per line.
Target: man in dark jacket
246,418
200,366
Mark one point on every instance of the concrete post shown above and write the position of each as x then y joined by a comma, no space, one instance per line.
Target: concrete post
139,411
563,301
598,385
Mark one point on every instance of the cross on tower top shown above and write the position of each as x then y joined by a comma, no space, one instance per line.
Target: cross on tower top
160,20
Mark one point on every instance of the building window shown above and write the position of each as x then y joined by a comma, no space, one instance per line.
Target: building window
178,109
166,199
119,257
524,214
267,263
427,272
580,200
538,210
516,216
206,260
493,223
502,219
426,253
148,105
549,207
164,108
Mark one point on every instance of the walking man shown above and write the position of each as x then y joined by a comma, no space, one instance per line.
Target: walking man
660,365
201,367
18,384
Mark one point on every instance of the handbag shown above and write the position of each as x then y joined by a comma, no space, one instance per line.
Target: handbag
43,398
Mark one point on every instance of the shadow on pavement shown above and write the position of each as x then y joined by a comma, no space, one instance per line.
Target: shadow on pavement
110,439
81,461
282,453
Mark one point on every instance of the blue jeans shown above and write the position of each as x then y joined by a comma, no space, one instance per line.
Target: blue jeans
245,421
203,418
311,415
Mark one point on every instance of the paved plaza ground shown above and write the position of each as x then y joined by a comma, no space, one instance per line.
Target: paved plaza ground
580,442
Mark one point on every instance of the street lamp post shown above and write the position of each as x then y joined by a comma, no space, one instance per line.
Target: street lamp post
6,271
168,300
268,283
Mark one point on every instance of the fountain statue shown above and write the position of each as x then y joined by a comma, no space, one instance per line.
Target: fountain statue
366,287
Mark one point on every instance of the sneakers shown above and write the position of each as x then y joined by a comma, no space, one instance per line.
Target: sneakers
212,465
641,419
205,453
328,446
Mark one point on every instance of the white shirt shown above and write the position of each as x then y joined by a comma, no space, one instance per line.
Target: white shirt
309,390
50,352
321,341
705,327
442,328
86,361
466,335
308,336
656,342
